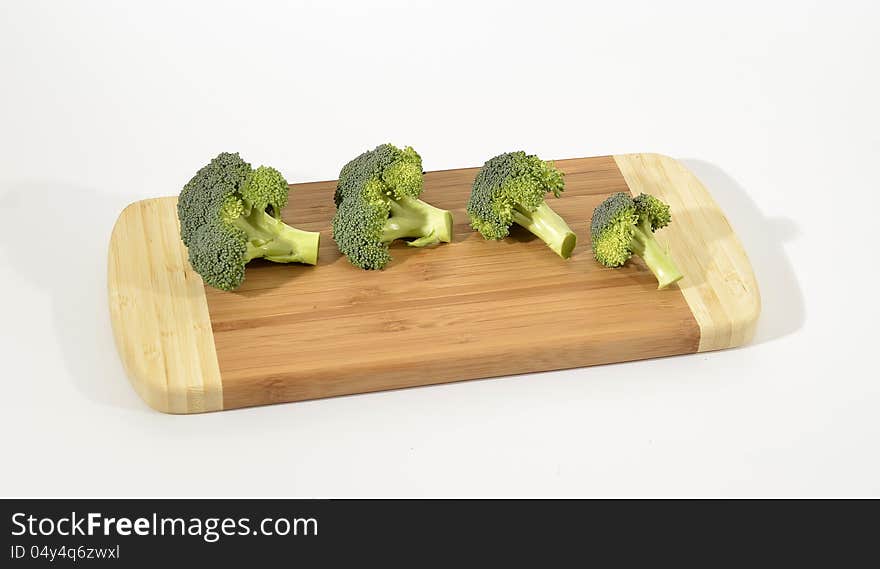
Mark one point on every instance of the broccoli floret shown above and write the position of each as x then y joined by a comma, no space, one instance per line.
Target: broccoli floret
377,202
623,226
224,221
510,188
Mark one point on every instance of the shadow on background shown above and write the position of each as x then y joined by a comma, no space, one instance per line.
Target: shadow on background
764,239
67,258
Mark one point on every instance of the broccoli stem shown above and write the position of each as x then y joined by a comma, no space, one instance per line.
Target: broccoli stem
655,257
549,227
412,217
272,239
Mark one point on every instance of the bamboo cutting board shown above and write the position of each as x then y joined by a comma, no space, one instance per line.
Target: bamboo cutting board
469,309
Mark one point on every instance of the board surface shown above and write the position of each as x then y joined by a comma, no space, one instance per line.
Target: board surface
464,310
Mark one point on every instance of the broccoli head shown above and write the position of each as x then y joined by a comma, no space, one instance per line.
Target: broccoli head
510,188
377,202
623,226
224,221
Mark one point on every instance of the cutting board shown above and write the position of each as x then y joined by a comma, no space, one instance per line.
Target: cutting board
464,310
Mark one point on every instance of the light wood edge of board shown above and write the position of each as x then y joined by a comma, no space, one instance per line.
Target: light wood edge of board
169,356
719,284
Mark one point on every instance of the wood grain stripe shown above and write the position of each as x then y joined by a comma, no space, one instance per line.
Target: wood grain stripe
719,284
159,312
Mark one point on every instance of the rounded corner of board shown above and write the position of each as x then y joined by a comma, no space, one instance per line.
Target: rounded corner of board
719,283
159,312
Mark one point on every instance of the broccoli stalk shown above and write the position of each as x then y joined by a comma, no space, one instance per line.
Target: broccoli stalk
412,217
510,188
655,257
623,226
270,238
548,226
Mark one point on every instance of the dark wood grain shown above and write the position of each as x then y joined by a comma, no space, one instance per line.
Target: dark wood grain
464,310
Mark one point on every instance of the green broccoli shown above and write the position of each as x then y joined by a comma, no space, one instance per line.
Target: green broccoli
623,226
377,202
224,221
510,188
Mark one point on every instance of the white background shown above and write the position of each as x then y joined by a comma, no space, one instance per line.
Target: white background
774,105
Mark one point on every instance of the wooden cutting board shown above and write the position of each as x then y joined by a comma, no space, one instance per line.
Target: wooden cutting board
469,309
